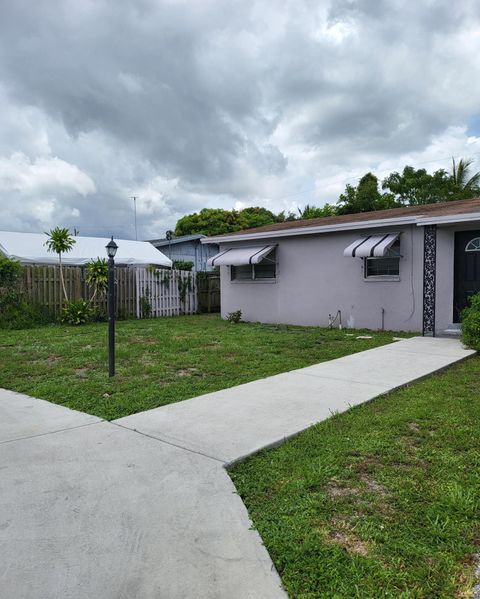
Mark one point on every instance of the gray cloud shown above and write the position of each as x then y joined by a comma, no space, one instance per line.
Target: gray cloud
192,104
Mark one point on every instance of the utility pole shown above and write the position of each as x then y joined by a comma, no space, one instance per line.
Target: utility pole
134,198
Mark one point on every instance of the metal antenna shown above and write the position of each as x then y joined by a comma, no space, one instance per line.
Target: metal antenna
134,198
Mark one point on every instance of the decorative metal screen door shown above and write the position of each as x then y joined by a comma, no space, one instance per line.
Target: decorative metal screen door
429,278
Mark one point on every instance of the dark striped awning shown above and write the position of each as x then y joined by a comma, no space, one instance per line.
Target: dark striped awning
241,256
371,246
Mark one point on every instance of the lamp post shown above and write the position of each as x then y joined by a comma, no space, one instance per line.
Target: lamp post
111,251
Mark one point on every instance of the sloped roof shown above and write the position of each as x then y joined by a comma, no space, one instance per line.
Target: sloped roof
174,240
443,209
31,248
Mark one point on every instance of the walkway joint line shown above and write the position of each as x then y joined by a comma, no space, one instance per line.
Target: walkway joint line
160,440
60,430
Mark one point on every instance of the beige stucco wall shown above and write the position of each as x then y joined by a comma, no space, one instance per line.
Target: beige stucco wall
314,280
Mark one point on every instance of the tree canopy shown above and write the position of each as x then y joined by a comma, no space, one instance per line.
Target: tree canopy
365,197
411,187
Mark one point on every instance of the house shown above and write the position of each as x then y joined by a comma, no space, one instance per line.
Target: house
30,248
404,269
188,248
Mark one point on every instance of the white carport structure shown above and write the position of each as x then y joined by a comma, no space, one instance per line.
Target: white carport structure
30,248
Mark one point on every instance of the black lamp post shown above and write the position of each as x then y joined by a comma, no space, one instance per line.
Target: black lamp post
111,251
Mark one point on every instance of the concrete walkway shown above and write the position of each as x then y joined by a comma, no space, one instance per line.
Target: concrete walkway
143,507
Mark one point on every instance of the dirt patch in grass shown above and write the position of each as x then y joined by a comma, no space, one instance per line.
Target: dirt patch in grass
341,534
336,489
143,340
52,360
188,372
373,485
82,373
213,344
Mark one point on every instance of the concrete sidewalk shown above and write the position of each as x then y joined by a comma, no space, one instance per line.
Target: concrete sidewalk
231,424
95,509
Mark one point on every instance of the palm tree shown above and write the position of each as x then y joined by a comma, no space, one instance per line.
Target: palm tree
60,241
97,276
467,186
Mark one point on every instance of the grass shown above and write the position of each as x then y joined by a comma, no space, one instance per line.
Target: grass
160,361
381,501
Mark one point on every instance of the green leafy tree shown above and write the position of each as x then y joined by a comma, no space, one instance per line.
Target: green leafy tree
416,187
60,241
97,276
366,197
209,221
465,185
316,212
256,217
284,218
217,221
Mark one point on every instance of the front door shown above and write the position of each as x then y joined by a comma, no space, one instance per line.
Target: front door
467,269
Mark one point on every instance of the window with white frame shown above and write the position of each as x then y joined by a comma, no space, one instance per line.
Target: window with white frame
385,266
266,269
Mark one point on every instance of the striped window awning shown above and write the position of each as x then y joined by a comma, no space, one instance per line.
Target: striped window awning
241,256
371,246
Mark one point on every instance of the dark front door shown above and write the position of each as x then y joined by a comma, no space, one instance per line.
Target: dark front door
467,269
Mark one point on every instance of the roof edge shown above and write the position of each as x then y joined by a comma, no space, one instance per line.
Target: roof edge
419,220
367,224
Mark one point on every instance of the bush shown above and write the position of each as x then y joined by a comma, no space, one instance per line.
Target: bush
25,316
182,265
235,317
10,273
146,304
77,312
471,323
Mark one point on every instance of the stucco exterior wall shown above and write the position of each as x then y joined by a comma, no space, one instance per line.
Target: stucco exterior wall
445,277
314,280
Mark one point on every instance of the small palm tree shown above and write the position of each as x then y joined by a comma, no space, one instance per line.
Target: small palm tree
467,185
97,276
60,241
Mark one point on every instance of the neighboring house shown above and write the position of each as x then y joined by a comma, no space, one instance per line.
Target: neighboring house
188,248
30,248
410,269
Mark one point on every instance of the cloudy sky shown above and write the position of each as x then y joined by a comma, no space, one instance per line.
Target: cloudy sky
223,103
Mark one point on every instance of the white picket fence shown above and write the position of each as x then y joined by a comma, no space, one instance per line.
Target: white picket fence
162,292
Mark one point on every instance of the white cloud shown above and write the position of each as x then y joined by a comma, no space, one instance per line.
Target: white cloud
20,173
277,104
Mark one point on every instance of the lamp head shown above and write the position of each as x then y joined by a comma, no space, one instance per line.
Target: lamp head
111,248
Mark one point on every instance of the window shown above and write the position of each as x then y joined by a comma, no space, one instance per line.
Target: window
266,269
473,245
387,266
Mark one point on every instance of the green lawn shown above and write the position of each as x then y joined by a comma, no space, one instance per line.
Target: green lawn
381,501
160,361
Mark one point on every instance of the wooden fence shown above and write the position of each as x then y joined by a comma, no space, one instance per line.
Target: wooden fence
163,292
140,292
208,291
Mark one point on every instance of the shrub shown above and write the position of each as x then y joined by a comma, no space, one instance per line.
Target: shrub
77,312
471,323
235,317
146,304
182,265
10,273
25,316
